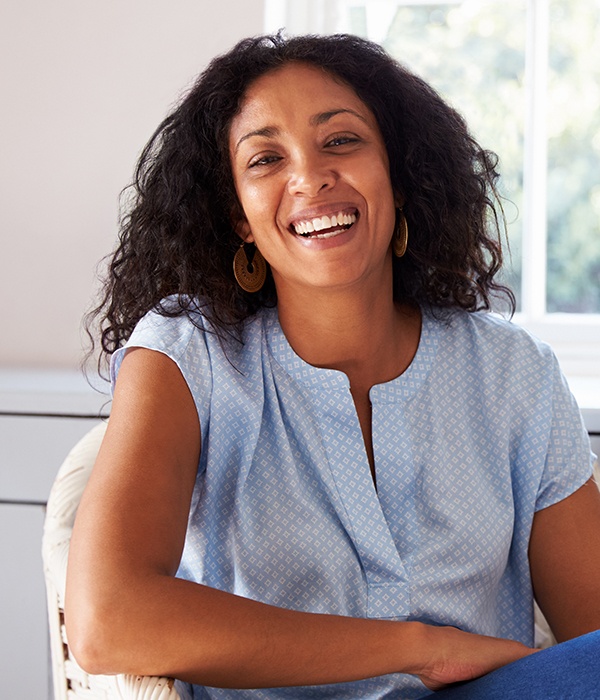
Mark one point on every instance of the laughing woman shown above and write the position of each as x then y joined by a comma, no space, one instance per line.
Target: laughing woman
329,470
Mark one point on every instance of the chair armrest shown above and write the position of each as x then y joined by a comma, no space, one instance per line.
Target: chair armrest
70,680
127,687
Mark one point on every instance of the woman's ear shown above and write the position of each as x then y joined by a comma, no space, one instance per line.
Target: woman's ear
240,223
242,228
399,200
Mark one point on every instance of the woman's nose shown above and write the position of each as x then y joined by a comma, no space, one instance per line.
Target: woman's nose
310,175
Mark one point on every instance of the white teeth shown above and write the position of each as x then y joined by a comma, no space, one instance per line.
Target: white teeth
324,222
331,234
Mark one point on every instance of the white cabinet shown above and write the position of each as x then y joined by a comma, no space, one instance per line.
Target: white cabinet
31,450
42,415
24,664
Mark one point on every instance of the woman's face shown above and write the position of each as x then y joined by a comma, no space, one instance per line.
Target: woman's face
312,175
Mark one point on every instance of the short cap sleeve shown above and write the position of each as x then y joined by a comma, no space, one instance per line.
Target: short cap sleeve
569,461
182,341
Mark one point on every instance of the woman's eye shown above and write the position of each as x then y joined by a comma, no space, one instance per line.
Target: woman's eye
342,140
263,160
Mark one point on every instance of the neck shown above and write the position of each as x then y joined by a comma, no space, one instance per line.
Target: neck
362,333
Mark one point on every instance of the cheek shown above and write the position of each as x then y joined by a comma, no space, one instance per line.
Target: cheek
255,210
260,203
249,192
249,201
381,193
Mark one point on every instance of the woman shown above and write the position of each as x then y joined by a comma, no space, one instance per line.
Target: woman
334,471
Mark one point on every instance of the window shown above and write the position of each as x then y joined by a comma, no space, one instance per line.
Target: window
526,75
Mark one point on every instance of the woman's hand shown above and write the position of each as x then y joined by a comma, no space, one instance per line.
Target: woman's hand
460,656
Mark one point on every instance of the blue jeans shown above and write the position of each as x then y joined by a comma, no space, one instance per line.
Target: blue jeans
567,671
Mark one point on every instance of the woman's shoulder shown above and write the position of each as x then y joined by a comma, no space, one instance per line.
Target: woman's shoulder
181,327
169,326
487,341
485,328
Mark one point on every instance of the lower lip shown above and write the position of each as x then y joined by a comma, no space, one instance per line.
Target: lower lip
319,243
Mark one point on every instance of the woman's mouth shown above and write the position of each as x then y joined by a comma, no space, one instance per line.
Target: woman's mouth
324,226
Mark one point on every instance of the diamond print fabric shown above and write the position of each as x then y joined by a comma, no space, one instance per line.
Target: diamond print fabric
477,434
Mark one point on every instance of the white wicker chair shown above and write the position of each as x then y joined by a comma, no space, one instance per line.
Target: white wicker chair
71,682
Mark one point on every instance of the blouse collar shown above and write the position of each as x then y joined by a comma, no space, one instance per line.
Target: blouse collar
399,389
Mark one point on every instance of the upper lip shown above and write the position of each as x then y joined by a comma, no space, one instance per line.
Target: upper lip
328,209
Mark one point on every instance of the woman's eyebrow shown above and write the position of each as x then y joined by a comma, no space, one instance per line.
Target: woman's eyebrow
268,131
324,117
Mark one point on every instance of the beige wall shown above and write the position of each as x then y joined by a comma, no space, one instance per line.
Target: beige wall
84,83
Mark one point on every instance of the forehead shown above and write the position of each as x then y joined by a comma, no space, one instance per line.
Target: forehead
298,76
299,88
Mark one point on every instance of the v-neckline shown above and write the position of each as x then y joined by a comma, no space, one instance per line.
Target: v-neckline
346,474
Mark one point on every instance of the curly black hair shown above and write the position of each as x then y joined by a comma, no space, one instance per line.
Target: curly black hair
177,237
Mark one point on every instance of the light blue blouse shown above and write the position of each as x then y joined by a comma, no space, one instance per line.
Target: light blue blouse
478,433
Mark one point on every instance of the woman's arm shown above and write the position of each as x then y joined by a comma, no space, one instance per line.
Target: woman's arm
126,613
564,555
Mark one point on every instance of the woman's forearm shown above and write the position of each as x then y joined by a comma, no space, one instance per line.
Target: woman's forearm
167,626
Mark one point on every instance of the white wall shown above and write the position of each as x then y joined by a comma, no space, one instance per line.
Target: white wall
83,85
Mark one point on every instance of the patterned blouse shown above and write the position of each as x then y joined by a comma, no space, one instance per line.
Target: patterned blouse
474,437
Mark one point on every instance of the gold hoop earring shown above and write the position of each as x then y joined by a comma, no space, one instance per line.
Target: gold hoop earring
400,237
249,268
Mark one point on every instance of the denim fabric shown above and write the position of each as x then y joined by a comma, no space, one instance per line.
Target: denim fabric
568,671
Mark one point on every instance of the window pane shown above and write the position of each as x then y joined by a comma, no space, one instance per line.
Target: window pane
574,157
473,53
